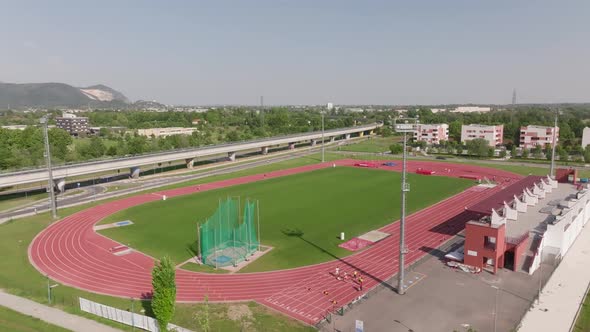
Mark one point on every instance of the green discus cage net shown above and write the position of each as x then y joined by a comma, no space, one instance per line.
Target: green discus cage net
228,237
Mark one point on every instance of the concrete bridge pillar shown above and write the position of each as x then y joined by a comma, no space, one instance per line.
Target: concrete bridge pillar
231,156
264,150
332,139
314,142
134,172
361,134
291,146
371,132
347,136
190,162
60,185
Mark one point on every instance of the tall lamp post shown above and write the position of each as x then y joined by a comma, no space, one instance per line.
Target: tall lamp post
323,159
403,125
50,185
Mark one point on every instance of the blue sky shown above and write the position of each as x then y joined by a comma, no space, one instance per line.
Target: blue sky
304,52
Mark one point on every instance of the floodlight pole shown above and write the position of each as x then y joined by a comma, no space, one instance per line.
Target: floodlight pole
402,225
405,127
323,159
552,171
50,184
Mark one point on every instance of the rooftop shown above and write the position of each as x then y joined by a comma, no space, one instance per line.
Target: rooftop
497,200
537,217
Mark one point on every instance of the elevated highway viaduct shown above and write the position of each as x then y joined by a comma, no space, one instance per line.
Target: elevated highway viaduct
134,163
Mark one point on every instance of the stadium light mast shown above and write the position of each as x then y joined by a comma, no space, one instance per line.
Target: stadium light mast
43,122
323,159
403,125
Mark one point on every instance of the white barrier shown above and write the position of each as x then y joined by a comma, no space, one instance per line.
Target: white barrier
125,317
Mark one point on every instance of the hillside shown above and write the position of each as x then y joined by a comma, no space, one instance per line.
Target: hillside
47,95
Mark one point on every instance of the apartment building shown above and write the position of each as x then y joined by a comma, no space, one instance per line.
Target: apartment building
75,125
492,134
531,136
432,133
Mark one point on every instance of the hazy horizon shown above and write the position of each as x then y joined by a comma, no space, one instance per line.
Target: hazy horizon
305,52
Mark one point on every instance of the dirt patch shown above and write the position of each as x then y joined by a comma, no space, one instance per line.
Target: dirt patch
238,312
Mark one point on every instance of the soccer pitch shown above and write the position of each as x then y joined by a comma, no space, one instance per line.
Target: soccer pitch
320,204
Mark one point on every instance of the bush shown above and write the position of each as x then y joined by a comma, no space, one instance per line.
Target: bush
396,148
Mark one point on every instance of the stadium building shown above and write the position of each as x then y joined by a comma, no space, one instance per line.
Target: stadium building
532,221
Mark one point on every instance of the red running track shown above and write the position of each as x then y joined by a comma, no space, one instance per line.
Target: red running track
71,252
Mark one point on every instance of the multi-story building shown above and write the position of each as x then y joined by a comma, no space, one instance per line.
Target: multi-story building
531,136
164,132
75,125
471,109
492,134
432,133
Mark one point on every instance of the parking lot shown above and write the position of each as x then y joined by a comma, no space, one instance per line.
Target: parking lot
445,299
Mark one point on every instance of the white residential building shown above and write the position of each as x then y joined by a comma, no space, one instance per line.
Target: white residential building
432,133
330,106
164,132
471,109
531,136
436,110
492,134
585,137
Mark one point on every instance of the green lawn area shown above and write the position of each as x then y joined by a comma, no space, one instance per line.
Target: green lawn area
371,144
583,322
16,322
12,201
321,204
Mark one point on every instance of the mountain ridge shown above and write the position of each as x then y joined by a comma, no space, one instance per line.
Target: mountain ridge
55,94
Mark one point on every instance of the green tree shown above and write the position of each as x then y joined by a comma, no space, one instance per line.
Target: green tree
478,147
513,151
396,148
203,316
59,141
563,155
164,291
502,154
97,147
455,130
537,151
587,154
525,153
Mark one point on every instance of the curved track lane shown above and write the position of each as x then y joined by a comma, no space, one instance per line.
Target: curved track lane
71,252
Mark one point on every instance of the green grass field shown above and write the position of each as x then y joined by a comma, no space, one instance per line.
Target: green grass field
583,322
16,322
321,204
371,144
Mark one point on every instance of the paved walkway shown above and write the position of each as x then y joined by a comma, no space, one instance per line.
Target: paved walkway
52,315
563,293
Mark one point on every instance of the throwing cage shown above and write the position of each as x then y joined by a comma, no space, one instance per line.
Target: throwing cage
228,237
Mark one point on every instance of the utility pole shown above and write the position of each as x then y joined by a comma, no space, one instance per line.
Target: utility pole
405,126
50,185
323,159
552,171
